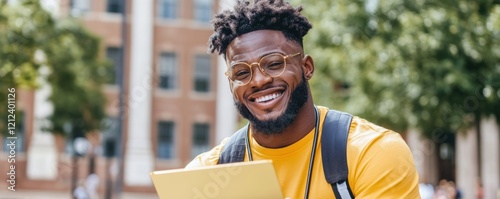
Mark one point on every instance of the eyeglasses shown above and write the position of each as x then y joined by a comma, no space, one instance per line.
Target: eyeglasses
272,65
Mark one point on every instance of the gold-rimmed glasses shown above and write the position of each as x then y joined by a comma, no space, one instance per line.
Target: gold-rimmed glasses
272,65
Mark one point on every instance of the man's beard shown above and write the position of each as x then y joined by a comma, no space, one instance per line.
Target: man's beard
278,125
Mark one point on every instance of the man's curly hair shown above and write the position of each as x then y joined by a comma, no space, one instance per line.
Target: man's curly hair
252,15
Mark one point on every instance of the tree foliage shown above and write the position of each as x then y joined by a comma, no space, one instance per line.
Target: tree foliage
430,65
36,48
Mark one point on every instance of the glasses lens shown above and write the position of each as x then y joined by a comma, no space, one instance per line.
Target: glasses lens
240,73
273,65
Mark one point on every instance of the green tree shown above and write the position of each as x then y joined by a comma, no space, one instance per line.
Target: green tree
425,64
34,45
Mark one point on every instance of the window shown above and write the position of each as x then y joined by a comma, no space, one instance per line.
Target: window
79,7
168,9
114,55
202,73
201,135
203,10
168,71
115,6
110,134
166,147
17,140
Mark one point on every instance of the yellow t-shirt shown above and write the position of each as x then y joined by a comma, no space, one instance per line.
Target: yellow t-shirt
379,161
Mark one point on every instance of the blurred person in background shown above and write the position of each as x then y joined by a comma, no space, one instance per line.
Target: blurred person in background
81,192
447,190
426,190
480,190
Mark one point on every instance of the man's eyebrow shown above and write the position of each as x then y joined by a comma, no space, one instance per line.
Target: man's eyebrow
266,54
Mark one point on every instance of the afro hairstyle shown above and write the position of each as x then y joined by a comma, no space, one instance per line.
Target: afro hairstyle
252,15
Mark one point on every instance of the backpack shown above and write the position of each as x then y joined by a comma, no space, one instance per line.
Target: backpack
333,149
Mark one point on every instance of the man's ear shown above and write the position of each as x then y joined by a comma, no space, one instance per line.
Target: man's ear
308,66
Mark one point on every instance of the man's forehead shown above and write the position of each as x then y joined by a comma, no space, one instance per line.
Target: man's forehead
261,37
260,40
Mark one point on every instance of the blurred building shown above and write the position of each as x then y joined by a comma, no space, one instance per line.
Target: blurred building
170,84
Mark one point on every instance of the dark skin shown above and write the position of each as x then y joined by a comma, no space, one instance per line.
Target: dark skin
250,48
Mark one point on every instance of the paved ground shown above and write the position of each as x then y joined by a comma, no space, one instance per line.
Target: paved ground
24,194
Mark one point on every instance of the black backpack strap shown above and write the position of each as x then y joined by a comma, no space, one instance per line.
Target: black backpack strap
234,149
334,152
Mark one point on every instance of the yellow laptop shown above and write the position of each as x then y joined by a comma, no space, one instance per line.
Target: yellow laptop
241,180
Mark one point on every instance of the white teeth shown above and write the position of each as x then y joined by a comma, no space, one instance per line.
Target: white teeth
267,97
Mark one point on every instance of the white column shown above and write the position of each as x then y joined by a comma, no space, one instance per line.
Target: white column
42,154
414,142
139,154
467,167
490,157
425,156
225,109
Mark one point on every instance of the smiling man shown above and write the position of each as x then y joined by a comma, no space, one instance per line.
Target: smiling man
268,74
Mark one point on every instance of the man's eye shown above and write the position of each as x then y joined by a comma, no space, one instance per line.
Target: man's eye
274,65
241,73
